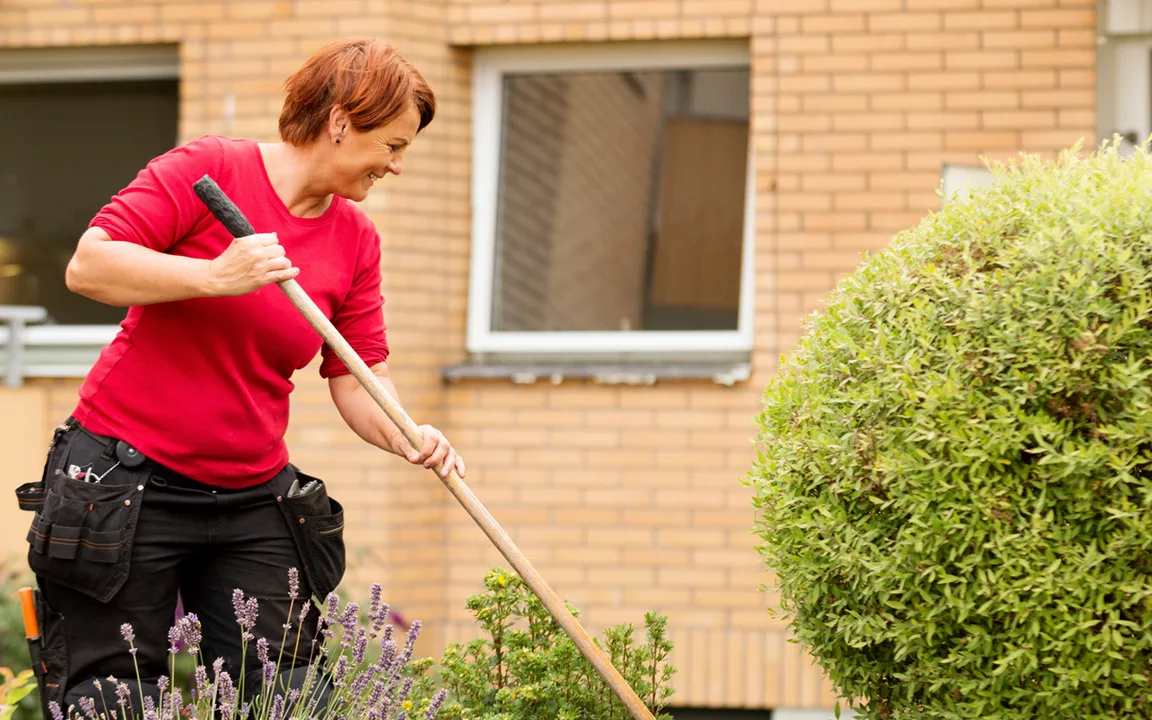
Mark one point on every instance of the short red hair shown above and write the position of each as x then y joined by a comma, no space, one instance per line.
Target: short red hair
370,80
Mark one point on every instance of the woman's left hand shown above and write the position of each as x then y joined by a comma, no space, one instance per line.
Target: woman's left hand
437,452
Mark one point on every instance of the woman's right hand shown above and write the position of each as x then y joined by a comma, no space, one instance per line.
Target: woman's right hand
249,264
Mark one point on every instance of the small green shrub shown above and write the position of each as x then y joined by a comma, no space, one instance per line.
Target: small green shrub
954,486
526,668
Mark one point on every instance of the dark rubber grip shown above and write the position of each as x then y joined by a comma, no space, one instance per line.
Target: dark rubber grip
222,207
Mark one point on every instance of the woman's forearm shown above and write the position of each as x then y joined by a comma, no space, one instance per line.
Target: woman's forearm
125,274
362,414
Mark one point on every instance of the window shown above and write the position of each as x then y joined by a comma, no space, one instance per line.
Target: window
1124,72
612,202
79,123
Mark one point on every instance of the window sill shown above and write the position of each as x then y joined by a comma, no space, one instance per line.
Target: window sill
727,372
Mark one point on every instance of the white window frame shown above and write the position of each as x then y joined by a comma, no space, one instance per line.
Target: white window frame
1124,69
490,66
70,350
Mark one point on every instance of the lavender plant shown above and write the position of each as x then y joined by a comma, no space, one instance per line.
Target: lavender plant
359,684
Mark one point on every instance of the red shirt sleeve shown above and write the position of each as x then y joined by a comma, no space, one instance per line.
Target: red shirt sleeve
360,319
160,207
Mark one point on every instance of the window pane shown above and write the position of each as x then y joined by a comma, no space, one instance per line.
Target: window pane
65,150
621,201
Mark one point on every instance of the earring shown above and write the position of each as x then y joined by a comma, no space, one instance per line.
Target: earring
337,141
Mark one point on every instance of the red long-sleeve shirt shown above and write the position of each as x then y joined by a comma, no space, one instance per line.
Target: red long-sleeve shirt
202,385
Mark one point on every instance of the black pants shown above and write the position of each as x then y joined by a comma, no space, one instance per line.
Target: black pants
121,550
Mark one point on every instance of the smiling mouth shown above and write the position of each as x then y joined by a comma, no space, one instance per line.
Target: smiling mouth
373,177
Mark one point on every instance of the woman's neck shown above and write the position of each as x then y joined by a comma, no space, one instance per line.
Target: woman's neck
297,179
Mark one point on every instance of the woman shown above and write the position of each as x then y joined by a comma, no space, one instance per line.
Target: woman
172,475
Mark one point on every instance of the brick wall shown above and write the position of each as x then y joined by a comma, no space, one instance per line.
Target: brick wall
627,499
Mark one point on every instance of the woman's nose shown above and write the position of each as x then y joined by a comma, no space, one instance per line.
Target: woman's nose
396,166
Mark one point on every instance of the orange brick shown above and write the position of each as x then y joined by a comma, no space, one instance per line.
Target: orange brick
866,6
983,20
981,100
1020,119
907,61
1019,39
626,10
1076,118
1076,38
804,44
909,22
568,11
1058,18
833,63
832,24
1064,57
938,41
870,42
1034,140
919,5
1027,79
980,60
834,103
824,221
980,140
868,82
908,141
884,122
874,160
712,8
1070,78
936,81
920,102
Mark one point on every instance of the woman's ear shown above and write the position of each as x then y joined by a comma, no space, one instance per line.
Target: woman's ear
337,124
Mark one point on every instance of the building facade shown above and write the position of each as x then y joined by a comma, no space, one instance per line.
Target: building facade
593,260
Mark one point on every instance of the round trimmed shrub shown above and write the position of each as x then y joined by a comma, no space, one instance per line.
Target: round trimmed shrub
954,484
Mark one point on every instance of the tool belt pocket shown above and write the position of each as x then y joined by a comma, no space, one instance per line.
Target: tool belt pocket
81,535
316,522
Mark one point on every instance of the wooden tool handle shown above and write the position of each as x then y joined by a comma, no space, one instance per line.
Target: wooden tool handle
231,217
28,609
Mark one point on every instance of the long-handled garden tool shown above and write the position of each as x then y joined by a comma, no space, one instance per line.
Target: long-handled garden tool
232,219
32,634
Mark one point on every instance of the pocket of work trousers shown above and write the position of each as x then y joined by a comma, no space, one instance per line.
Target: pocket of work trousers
316,522
81,537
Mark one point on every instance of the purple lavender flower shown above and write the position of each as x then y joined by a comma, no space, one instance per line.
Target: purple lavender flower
174,639
122,695
162,683
175,702
149,706
190,633
304,611
377,693
126,632
246,612
57,713
434,708
227,693
201,681
407,689
88,707
341,672
277,712
293,583
348,617
403,715
262,650
360,648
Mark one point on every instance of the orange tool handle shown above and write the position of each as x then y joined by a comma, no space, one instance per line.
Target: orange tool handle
28,607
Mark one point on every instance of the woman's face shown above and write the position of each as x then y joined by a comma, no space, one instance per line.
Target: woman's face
361,159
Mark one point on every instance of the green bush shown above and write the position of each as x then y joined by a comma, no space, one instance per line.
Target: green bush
526,668
954,484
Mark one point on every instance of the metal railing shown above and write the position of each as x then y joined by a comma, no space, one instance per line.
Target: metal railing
17,318
33,345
